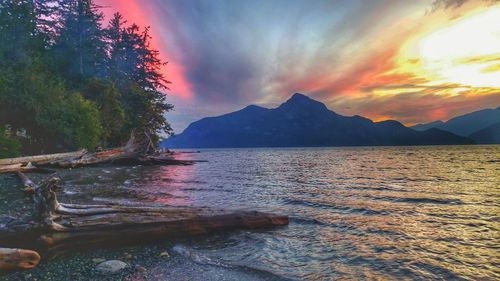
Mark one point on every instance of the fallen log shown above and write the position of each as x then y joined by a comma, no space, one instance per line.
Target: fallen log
18,259
134,152
28,168
28,185
42,158
59,229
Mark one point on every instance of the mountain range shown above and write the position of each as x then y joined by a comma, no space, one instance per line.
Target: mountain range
302,122
482,126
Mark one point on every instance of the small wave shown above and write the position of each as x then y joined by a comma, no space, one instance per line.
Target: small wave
196,257
307,221
346,209
423,200
221,268
436,271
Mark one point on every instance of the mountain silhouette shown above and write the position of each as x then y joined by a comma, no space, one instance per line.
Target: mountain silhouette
427,126
301,122
488,135
465,125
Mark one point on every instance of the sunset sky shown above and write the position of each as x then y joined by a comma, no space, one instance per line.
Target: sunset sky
410,60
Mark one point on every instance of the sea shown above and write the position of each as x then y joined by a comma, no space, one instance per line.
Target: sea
356,213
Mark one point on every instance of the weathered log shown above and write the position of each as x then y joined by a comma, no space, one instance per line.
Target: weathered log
59,229
134,152
42,158
18,259
14,168
28,185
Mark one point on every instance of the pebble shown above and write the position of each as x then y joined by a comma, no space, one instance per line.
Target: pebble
98,260
164,254
141,269
111,267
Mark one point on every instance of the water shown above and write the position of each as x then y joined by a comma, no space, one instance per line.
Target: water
416,213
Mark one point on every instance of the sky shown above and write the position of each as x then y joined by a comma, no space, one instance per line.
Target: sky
414,61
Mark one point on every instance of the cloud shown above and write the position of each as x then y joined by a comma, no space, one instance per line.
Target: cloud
420,103
447,4
454,4
224,55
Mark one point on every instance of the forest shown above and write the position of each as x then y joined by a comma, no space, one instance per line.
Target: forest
69,79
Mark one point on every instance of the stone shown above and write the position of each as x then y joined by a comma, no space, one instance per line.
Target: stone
141,269
164,254
111,267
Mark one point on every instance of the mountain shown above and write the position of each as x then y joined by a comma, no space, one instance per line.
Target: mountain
301,121
466,124
427,126
488,135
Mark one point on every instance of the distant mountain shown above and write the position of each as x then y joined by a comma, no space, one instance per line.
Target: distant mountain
427,126
488,135
301,121
466,124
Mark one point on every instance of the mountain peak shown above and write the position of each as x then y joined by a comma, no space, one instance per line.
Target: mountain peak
298,96
302,102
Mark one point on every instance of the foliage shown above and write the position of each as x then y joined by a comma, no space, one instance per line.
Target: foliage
9,146
112,116
67,82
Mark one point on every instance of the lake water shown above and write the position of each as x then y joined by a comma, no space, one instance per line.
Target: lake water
416,213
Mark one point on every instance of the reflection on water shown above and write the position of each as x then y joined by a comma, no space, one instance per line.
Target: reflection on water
361,213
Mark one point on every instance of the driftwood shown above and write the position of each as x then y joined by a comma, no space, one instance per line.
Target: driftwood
42,158
28,168
58,229
133,153
16,259
28,185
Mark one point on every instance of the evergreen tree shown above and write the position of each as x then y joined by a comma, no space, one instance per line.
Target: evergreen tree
136,69
50,101
80,46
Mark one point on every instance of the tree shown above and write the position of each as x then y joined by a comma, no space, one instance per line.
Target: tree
112,116
136,69
80,36
50,102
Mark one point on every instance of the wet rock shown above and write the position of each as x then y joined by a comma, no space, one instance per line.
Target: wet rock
111,267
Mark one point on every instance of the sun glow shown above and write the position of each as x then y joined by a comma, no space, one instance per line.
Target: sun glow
466,52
